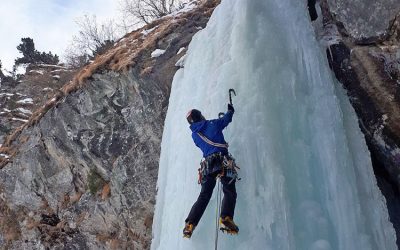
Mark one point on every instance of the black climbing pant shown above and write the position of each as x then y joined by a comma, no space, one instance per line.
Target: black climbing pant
207,187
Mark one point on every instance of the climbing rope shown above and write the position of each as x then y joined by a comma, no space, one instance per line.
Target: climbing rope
219,201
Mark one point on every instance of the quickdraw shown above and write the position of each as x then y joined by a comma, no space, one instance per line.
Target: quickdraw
230,168
202,169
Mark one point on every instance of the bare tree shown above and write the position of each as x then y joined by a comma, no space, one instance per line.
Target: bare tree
145,11
93,35
93,38
74,57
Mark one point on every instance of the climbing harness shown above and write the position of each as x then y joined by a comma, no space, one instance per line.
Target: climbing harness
229,168
218,162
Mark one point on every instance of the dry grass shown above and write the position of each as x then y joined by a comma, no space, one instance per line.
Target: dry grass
146,71
148,221
105,193
138,237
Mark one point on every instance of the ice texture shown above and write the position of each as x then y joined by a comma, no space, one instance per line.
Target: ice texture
307,179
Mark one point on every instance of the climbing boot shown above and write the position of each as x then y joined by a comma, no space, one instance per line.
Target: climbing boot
228,226
188,230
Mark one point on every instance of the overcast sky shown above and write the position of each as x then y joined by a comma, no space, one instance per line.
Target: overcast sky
50,23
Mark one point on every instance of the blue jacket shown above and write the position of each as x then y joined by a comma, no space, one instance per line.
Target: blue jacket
212,129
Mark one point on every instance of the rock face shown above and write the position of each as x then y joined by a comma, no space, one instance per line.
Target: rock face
19,100
365,20
363,41
82,171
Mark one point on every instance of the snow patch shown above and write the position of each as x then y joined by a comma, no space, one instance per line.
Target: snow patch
157,53
181,62
146,32
60,70
26,101
52,66
4,156
19,120
25,111
180,50
186,8
40,72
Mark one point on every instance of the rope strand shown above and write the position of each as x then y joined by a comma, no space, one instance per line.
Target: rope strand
219,198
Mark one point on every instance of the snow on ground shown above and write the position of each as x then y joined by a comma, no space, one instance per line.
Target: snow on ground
52,66
18,119
40,72
186,7
157,53
146,32
60,70
181,62
4,155
25,111
180,50
26,101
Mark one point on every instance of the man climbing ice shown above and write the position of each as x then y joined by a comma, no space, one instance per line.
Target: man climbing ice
217,163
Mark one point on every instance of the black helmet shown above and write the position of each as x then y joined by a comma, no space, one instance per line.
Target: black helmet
194,115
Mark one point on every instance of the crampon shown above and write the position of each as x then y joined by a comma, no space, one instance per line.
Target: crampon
228,226
188,230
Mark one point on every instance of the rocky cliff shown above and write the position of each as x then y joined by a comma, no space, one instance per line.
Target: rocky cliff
363,48
19,99
81,172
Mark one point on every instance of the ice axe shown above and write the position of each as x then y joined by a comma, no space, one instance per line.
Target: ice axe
221,114
230,95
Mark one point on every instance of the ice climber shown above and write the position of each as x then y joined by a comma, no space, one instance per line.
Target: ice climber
217,163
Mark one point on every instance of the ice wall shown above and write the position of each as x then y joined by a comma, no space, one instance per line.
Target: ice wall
307,180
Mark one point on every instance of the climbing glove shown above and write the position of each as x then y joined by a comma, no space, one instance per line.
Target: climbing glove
230,108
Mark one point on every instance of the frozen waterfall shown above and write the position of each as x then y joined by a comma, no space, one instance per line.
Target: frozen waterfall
307,180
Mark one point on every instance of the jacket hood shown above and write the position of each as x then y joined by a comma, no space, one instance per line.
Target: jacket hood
198,126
